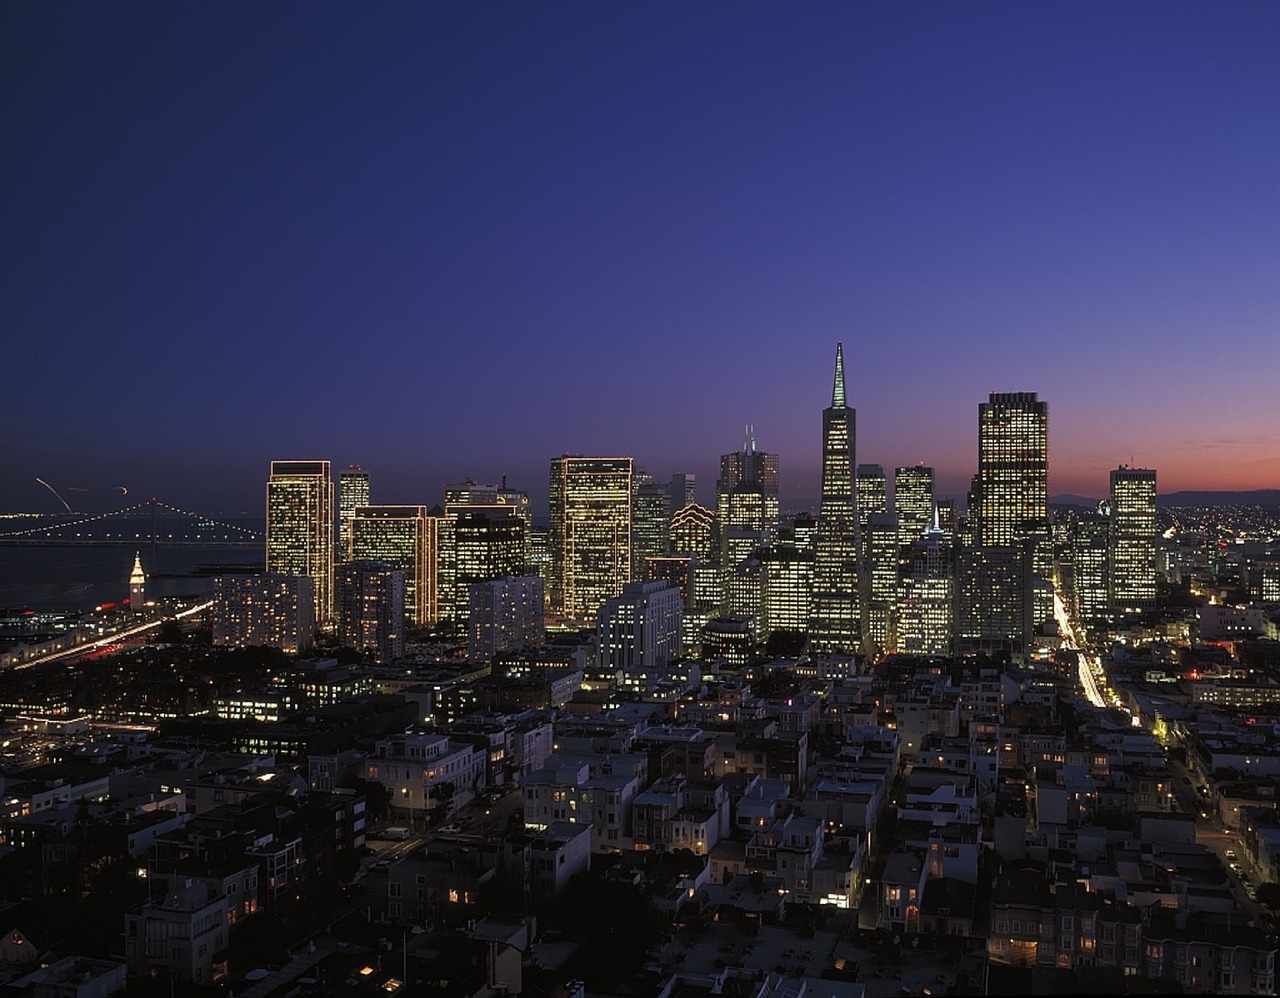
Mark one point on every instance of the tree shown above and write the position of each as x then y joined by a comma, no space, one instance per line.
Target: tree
442,794
1269,894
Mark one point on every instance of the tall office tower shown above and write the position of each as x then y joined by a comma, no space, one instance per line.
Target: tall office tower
913,502
835,626
485,542
873,492
693,532
505,615
268,611
1088,586
1013,484
994,587
650,522
590,507
675,570
639,629
300,527
948,517
744,592
353,492
882,571
501,498
928,597
682,490
1133,539
788,585
402,537
370,609
746,501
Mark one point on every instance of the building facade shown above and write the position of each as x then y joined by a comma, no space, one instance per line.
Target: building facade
300,527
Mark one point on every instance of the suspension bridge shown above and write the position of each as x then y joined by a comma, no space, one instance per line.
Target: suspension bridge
152,523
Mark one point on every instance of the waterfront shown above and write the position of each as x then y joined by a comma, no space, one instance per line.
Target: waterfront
80,578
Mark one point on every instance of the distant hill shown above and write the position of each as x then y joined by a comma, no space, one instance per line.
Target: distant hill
1070,500
1258,497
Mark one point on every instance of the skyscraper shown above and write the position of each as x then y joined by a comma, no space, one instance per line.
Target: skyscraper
650,521
402,537
1013,488
353,492
1132,545
1013,475
873,493
746,501
835,625
370,609
300,527
913,502
590,520
693,532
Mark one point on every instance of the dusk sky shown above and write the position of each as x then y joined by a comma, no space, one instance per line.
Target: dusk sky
455,240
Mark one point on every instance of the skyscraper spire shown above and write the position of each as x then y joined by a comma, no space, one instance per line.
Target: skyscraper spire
837,391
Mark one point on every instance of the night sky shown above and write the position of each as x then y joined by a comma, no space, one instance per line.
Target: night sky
454,240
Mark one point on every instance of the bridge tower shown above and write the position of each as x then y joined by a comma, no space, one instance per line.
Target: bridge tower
137,584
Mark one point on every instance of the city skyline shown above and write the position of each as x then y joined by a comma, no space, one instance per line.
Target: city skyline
243,234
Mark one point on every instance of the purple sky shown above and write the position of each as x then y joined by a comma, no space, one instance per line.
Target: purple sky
450,240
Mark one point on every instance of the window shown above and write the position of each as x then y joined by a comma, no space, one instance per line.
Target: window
393,890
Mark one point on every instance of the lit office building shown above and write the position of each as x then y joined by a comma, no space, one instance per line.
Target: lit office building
882,571
371,609
994,588
590,518
483,543
650,522
1133,540
1013,482
873,492
505,615
693,532
928,596
353,492
675,570
267,611
788,585
746,501
1089,588
835,625
744,592
913,502
403,537
300,527
500,498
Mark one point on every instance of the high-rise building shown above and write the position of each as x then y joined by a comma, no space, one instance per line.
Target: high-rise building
505,615
873,492
683,490
1132,549
300,527
788,585
836,626
403,537
1013,487
994,587
913,502
370,609
693,532
486,533
639,629
746,501
268,611
650,521
353,492
1087,583
590,520
882,571
1013,475
926,606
